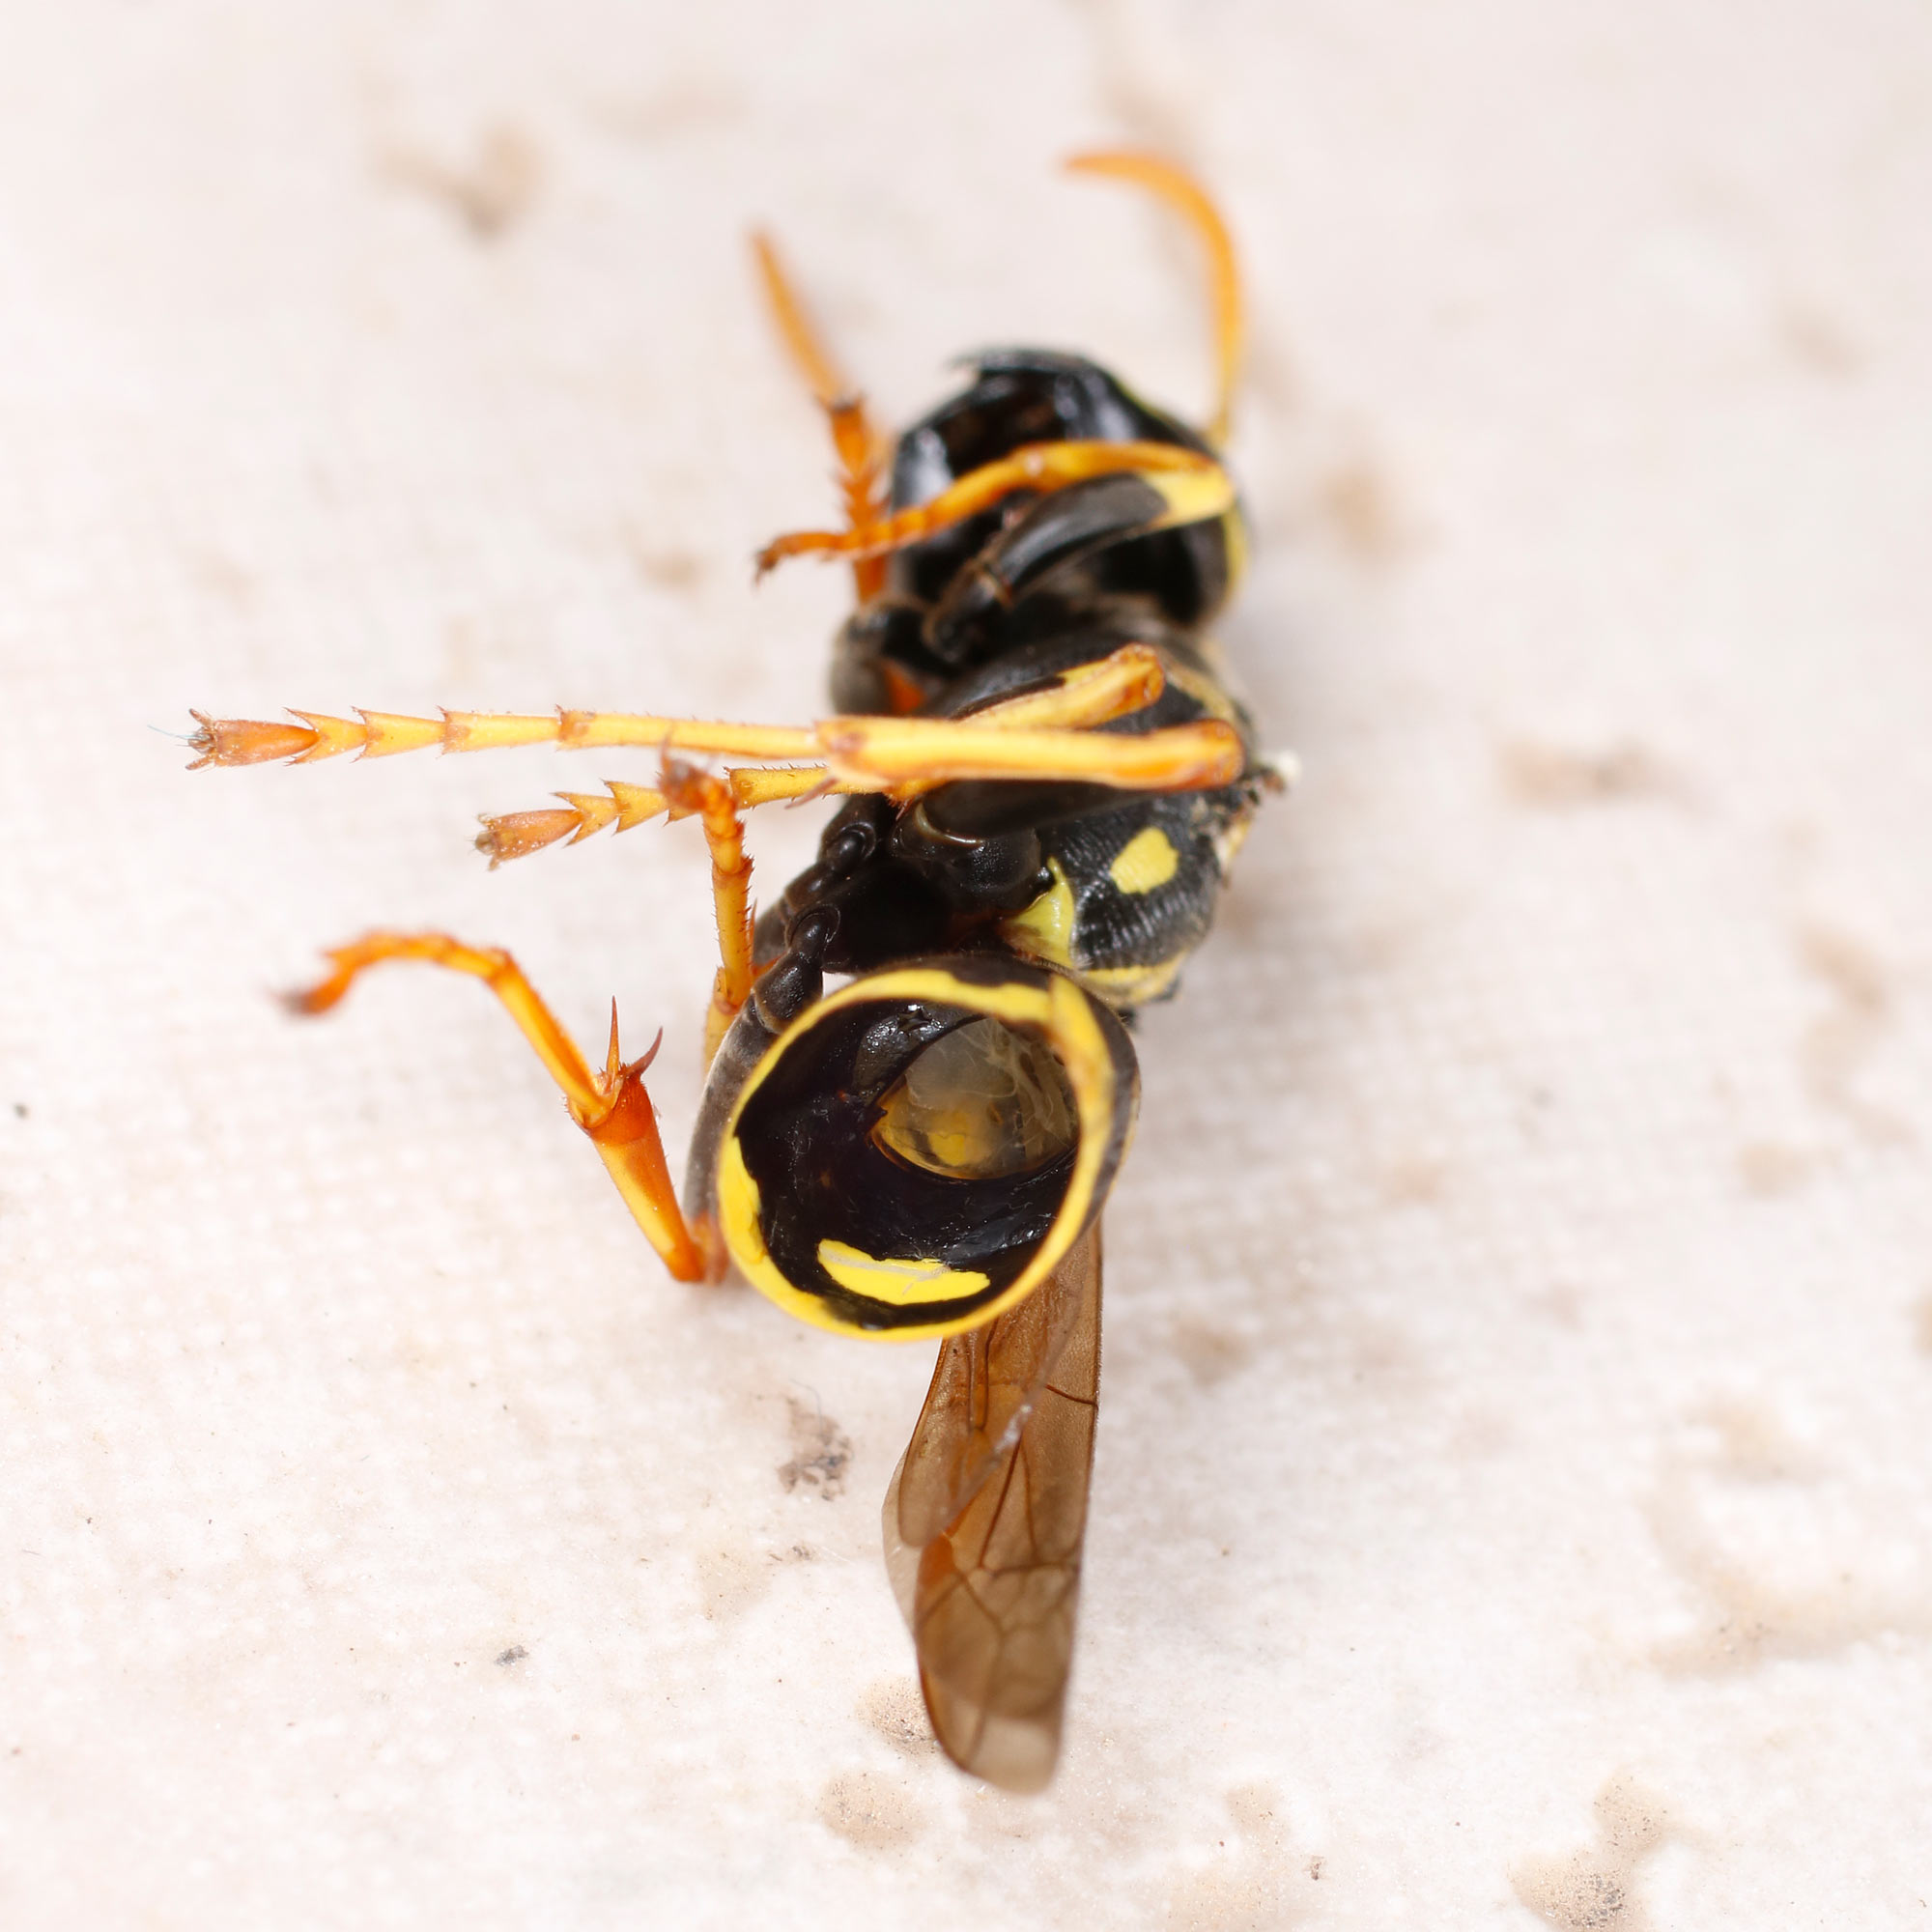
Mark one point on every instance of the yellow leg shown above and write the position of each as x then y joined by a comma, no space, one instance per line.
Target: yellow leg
1085,696
1044,735
891,754
381,734
1183,193
1196,487
610,1106
1091,693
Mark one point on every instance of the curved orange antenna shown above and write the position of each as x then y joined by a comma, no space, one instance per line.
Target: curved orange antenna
1183,193
853,437
801,339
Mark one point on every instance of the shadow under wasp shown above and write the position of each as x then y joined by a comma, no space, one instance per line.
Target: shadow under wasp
1045,779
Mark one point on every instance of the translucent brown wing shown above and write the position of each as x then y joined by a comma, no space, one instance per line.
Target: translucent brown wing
984,1522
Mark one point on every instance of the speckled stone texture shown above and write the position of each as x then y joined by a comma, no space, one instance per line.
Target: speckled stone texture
1513,1501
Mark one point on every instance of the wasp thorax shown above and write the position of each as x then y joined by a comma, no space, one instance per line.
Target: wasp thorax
982,1102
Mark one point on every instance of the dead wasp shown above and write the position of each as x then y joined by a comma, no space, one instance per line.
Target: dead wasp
1045,779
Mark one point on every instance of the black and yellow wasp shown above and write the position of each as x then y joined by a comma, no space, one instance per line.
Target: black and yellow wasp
922,1083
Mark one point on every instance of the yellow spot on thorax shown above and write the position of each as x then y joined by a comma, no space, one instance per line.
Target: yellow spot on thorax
904,1284
1146,862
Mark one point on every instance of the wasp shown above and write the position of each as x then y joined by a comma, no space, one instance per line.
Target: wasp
921,1079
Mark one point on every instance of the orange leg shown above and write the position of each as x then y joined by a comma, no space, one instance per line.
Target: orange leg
1196,487
611,1105
516,834
1183,193
690,791
853,436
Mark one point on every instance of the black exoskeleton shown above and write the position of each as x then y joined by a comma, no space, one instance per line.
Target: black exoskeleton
1116,889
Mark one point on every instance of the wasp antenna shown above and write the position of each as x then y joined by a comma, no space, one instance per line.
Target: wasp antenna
802,342
1182,193
854,441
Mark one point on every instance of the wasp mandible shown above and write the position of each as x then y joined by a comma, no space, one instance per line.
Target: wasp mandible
1044,780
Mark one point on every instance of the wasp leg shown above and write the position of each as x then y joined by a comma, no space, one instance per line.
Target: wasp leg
1111,687
860,754
690,792
1056,531
516,834
611,1105
380,734
684,792
1193,487
911,754
1125,681
1183,193
853,437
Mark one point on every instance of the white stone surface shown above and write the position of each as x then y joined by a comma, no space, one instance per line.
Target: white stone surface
1513,1494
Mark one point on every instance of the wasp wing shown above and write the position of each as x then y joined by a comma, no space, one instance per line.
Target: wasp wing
985,1517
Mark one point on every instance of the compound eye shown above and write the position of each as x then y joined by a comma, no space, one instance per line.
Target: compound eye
982,1102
